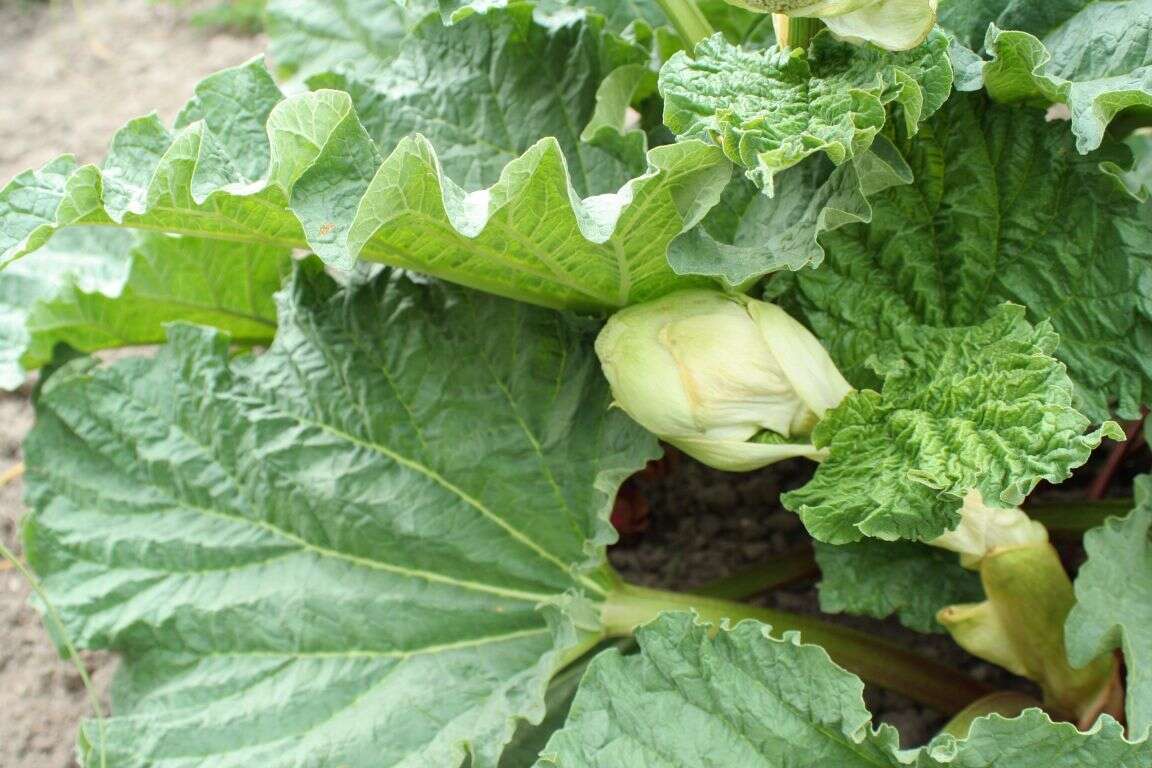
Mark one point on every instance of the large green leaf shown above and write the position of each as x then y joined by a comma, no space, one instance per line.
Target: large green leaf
486,89
1097,61
302,172
984,407
98,289
1114,602
1002,209
770,109
369,547
741,697
880,578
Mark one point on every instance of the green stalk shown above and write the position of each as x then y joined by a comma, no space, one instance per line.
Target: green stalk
794,31
876,661
786,569
688,20
1071,519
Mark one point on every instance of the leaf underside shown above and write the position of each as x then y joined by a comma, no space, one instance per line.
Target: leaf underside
748,234
486,89
879,579
95,289
302,172
1093,56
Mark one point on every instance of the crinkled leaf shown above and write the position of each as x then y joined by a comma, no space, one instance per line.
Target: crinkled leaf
488,88
1002,209
619,14
302,172
1114,602
1098,62
741,697
880,578
343,538
984,407
306,37
749,234
98,289
770,109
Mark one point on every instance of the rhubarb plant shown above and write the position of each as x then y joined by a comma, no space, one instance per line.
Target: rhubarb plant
422,291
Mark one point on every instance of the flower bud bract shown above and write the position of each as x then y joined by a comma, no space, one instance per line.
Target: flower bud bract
727,379
984,528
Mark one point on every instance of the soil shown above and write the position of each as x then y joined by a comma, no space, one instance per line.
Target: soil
64,90
71,73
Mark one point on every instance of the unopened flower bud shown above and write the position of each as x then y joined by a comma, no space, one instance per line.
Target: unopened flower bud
727,379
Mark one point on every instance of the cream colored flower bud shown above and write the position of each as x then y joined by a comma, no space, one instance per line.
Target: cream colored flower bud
708,372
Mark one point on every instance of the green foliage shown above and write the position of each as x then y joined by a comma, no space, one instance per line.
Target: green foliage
880,579
770,109
343,528
984,407
302,172
1002,209
1094,56
360,519
745,697
1113,591
94,289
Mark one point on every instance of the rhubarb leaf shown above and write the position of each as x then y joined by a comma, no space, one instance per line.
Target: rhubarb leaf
302,172
1114,603
1098,62
488,88
879,579
770,109
984,407
342,538
1002,209
96,289
740,698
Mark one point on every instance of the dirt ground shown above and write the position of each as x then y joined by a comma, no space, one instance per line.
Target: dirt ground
71,73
